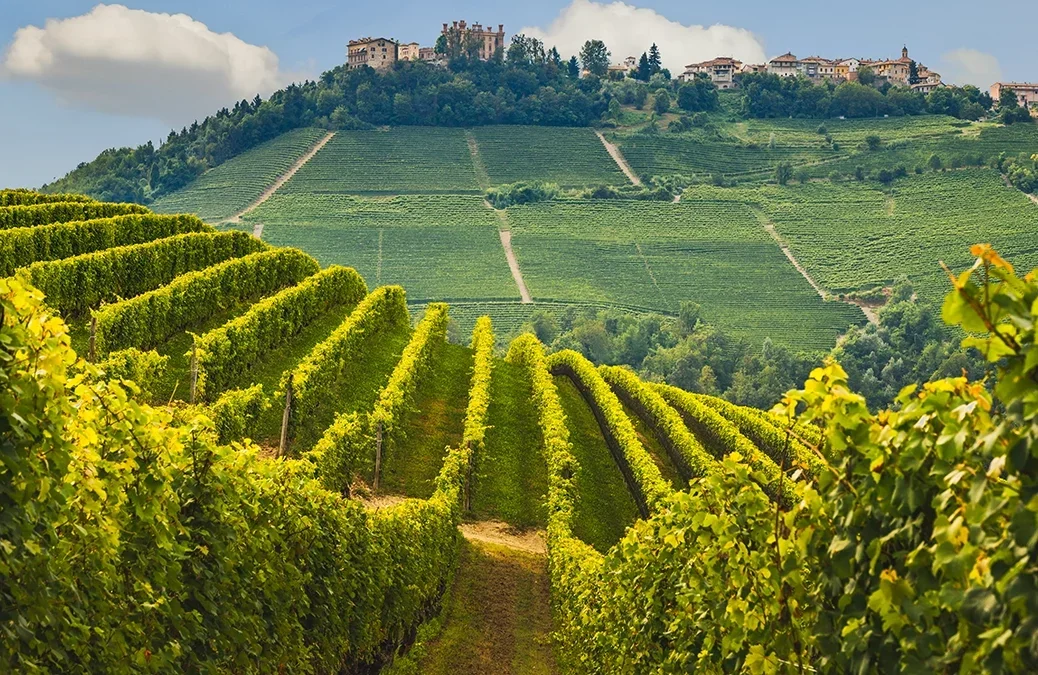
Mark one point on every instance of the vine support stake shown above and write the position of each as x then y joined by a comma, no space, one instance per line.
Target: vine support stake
468,478
194,370
283,445
378,452
92,352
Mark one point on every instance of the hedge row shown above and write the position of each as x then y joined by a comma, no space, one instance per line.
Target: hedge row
145,369
783,447
397,397
74,285
573,566
475,431
225,561
315,378
62,212
685,450
237,411
22,197
647,484
723,438
150,319
23,246
226,353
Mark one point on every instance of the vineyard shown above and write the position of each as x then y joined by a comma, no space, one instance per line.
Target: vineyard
656,255
403,160
228,188
566,157
222,457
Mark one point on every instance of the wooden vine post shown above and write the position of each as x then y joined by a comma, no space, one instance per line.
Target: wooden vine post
468,478
92,352
194,370
283,445
378,452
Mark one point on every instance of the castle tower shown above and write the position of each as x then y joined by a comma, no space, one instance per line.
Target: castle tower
904,52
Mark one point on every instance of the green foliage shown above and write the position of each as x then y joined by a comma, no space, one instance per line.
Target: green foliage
226,353
483,342
76,284
722,438
237,411
521,193
643,475
685,450
594,57
185,555
145,369
1021,171
661,102
314,379
150,319
61,212
22,197
23,246
569,157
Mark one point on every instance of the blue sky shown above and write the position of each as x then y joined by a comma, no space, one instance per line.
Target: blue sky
44,137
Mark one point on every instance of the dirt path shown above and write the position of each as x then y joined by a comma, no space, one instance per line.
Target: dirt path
284,178
257,230
503,534
769,227
648,269
482,177
618,157
513,264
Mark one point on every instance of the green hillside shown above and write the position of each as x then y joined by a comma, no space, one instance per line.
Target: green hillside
268,465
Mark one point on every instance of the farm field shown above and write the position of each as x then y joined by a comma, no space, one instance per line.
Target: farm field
402,160
656,255
852,236
437,246
231,186
564,156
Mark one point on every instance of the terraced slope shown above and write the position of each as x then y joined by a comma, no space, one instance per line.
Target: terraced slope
567,157
656,255
231,186
438,246
402,160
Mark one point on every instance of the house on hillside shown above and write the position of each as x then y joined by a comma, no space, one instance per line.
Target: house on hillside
818,68
1026,92
409,52
378,53
486,40
721,71
629,64
897,71
786,65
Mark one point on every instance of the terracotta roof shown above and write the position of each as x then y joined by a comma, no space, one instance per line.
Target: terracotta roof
1024,85
787,57
719,61
816,59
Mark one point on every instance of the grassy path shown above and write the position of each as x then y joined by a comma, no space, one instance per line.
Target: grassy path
605,507
511,478
656,450
496,618
437,422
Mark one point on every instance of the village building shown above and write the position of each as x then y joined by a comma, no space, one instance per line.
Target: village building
629,64
753,68
408,52
721,71
786,65
1026,92
378,53
461,34
818,68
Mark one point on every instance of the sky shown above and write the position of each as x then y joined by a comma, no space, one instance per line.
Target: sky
77,76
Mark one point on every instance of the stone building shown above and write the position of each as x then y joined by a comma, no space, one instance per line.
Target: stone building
1026,92
786,65
379,53
460,35
409,52
721,71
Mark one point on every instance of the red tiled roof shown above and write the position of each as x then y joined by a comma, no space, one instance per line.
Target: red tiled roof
788,56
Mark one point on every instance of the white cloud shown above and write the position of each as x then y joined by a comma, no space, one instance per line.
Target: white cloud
970,66
133,62
628,31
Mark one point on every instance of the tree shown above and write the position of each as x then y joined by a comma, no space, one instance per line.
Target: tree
872,142
573,68
913,73
661,103
554,58
866,76
644,70
441,44
689,314
783,172
655,61
935,162
595,57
